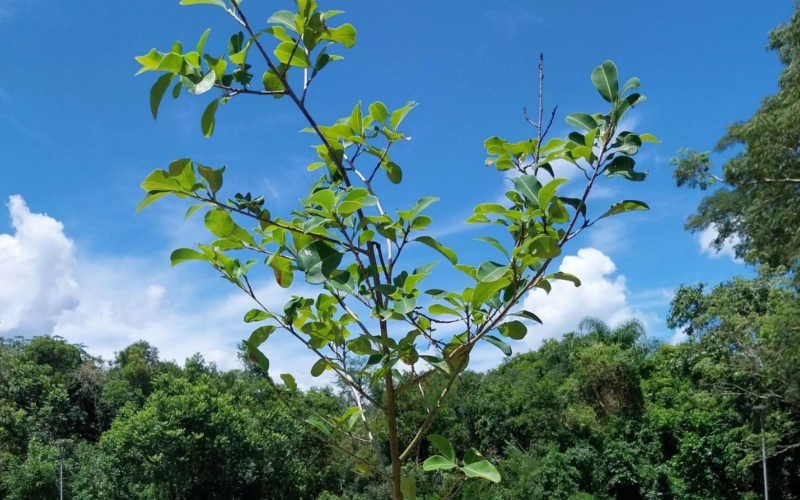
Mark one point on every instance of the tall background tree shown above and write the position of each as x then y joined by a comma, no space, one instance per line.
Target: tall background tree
756,203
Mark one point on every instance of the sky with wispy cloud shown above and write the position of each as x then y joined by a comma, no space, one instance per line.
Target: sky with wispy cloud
78,138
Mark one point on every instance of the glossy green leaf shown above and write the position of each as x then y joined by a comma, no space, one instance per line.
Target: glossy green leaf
547,191
355,200
209,118
493,242
379,112
254,315
491,271
444,446
649,138
150,198
528,186
318,260
289,381
261,334
528,315
399,115
437,462
284,18
633,83
427,240
482,469
624,206
605,79
220,223
622,166
256,356
157,92
185,254
566,277
319,368
394,172
218,3
408,487
323,198
344,34
513,329
285,52
485,290
499,344
581,120
319,425
212,176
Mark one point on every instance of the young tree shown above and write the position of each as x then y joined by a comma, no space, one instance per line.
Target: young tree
342,240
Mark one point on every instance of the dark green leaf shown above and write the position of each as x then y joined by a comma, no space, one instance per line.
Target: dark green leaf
427,240
318,260
209,118
624,206
157,92
604,77
444,446
491,271
581,120
499,344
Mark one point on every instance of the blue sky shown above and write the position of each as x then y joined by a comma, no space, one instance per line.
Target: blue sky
78,139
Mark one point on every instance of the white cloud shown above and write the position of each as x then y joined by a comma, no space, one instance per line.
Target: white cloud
679,336
36,270
708,235
107,303
601,295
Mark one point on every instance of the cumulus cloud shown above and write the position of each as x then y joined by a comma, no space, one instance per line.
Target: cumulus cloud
36,270
602,295
706,238
107,303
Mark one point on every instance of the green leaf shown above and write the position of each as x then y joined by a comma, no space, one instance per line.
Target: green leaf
157,92
354,200
493,242
319,368
444,446
257,356
379,112
254,315
204,85
218,3
649,138
284,54
581,120
282,268
624,206
483,470
622,166
548,191
185,254
344,34
209,119
399,114
486,290
261,334
394,172
439,310
513,329
160,180
323,198
491,271
285,18
201,45
437,462
604,78
220,223
471,456
405,305
318,260
150,198
499,344
356,120
212,176
289,381
319,425
633,83
451,255
626,103
528,186
566,277
193,209
171,62
528,315
408,487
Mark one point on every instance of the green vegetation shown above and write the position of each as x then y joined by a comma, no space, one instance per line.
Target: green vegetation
601,414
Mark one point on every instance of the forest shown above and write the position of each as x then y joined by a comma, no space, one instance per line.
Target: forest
607,411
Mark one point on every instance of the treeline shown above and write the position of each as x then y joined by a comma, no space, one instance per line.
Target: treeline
601,413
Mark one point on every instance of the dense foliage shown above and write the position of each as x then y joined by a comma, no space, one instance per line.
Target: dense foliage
601,414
